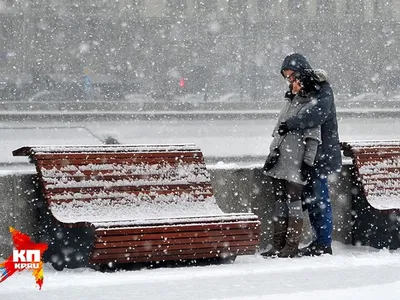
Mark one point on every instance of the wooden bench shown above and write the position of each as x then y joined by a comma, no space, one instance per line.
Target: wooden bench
119,204
376,192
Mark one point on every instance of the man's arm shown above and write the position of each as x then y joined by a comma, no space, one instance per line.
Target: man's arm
316,114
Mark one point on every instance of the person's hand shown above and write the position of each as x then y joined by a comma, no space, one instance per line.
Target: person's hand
283,128
272,159
289,95
306,171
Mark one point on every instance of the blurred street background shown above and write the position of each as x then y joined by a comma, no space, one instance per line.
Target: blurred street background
192,50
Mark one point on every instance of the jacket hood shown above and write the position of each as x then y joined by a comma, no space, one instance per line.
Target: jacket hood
295,62
322,75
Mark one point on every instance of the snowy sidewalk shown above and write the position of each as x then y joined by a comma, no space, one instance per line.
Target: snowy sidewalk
352,273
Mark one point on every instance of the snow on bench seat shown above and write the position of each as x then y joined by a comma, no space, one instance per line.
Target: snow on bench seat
119,191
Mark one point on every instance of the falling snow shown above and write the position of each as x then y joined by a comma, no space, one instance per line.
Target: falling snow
205,72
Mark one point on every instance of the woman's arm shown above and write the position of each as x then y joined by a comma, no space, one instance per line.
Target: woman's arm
312,139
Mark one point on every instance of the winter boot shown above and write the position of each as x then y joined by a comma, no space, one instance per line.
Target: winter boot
294,232
315,249
279,237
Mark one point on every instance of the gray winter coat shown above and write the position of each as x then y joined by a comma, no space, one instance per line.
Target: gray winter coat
292,146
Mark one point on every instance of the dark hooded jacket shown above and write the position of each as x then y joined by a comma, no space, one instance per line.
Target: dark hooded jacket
329,157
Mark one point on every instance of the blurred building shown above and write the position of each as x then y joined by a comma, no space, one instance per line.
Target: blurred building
238,44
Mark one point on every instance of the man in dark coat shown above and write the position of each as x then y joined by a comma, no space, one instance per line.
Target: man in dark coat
328,159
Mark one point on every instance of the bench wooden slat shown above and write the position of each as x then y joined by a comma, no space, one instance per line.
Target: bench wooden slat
81,193
171,250
379,170
183,241
116,186
124,155
383,193
382,177
172,235
132,168
157,179
193,255
247,246
126,185
164,229
375,150
377,157
116,160
159,247
106,198
382,181
110,175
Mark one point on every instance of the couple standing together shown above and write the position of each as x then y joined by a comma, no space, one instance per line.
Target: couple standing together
304,151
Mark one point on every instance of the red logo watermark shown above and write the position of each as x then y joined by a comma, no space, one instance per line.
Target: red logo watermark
26,255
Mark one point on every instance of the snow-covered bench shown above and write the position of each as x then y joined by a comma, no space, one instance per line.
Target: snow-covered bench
117,204
376,192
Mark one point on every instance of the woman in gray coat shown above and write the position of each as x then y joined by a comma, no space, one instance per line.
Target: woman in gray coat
296,150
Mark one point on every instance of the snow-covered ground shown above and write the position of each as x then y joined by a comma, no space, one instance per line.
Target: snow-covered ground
352,273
